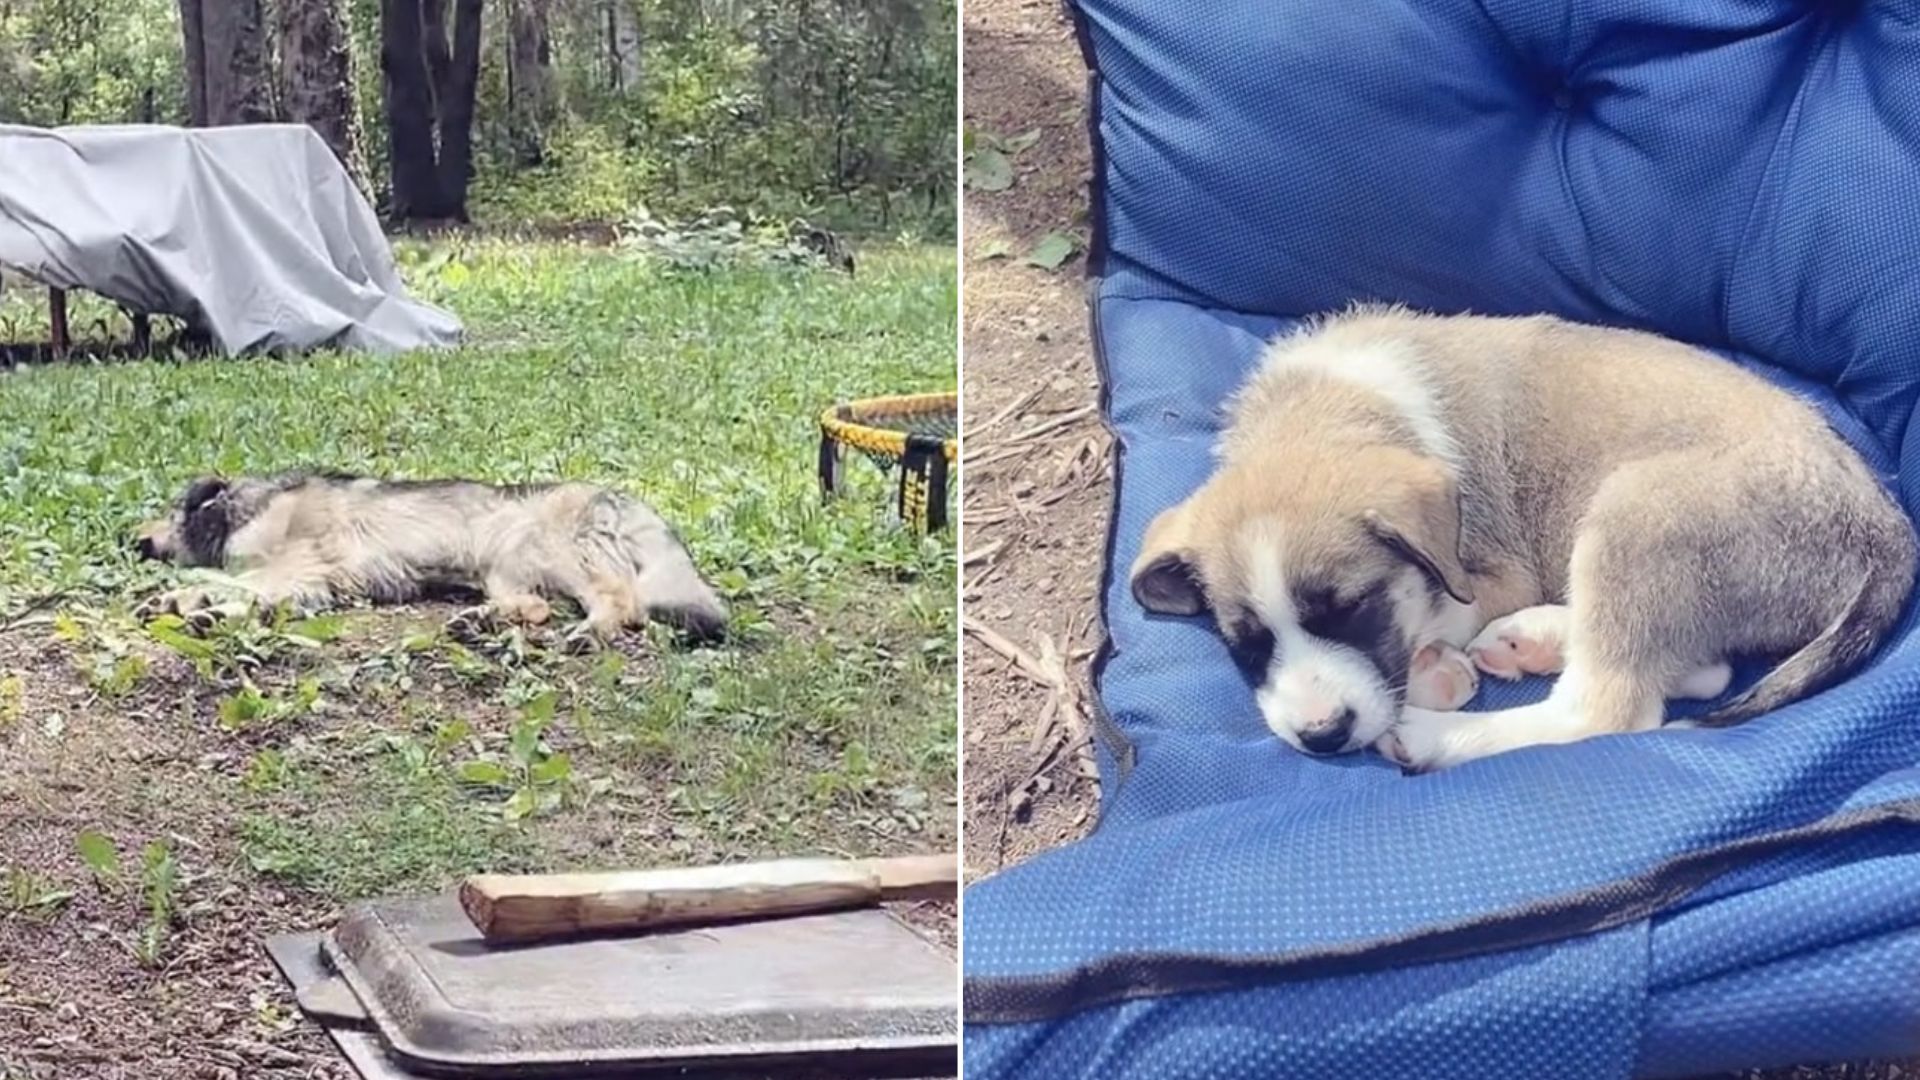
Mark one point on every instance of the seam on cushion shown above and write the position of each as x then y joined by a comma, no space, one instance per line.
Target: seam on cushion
1097,240
1788,125
1118,747
1604,906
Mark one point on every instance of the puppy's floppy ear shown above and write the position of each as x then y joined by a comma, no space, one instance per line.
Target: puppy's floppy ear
1420,520
201,492
1165,580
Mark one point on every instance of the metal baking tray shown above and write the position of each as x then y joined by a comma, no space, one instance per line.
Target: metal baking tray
845,994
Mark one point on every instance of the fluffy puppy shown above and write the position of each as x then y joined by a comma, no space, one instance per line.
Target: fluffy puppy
313,540
1405,500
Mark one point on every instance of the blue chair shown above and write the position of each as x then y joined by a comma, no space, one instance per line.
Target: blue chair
1742,174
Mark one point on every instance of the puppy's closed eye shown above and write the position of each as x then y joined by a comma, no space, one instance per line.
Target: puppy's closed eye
1251,644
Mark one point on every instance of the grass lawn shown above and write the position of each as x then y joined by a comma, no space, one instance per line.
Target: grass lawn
165,804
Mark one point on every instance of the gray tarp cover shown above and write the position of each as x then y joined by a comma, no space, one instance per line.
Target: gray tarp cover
254,234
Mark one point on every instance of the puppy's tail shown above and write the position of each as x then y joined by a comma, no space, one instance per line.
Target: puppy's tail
1842,647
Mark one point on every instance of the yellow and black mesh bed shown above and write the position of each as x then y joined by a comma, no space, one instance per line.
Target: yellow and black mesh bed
916,433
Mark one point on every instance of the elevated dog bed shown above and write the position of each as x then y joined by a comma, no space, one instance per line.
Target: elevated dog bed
1739,175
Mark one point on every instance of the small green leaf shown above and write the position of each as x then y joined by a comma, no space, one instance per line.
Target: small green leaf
520,805
540,709
995,249
1021,143
451,734
169,630
487,773
551,771
99,854
315,632
989,170
243,708
1053,251
523,743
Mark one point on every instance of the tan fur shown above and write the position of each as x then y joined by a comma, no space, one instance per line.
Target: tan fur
1686,510
314,541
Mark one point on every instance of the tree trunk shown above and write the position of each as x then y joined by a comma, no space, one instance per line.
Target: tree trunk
194,60
316,70
409,93
226,62
623,42
529,80
454,101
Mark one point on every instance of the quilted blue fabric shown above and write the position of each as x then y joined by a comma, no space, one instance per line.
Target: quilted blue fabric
1738,174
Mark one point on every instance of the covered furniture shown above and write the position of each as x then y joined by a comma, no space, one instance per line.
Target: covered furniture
256,236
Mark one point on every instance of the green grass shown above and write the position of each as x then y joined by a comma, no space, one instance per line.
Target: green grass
369,756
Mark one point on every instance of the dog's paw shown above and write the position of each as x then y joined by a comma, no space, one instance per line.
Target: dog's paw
153,607
527,610
583,640
1531,641
469,625
184,602
1441,677
1704,684
1426,739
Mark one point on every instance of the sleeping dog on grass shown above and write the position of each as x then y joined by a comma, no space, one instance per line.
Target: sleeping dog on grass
1404,501
314,540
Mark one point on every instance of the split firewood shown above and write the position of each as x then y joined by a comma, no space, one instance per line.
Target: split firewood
518,908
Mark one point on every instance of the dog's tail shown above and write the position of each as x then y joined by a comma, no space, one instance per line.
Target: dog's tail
1841,648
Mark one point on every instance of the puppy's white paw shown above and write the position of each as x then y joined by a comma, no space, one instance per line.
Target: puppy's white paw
1704,684
1441,677
1426,740
1531,641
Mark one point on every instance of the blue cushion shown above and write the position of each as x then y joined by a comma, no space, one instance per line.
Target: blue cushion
1741,175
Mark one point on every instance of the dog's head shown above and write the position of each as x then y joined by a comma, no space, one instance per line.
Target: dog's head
205,516
1320,570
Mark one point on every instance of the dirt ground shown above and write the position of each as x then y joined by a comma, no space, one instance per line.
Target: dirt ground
78,998
1038,480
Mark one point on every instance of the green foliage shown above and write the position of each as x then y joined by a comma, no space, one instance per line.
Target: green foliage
90,62
827,721
100,856
537,778
840,111
159,880
717,239
589,174
27,894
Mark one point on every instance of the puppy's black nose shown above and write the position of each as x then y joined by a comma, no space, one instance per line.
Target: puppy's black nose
1330,737
143,546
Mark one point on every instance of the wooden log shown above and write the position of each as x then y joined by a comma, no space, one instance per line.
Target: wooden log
519,908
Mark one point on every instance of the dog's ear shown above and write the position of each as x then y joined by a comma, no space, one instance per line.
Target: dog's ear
1165,579
1420,521
201,492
